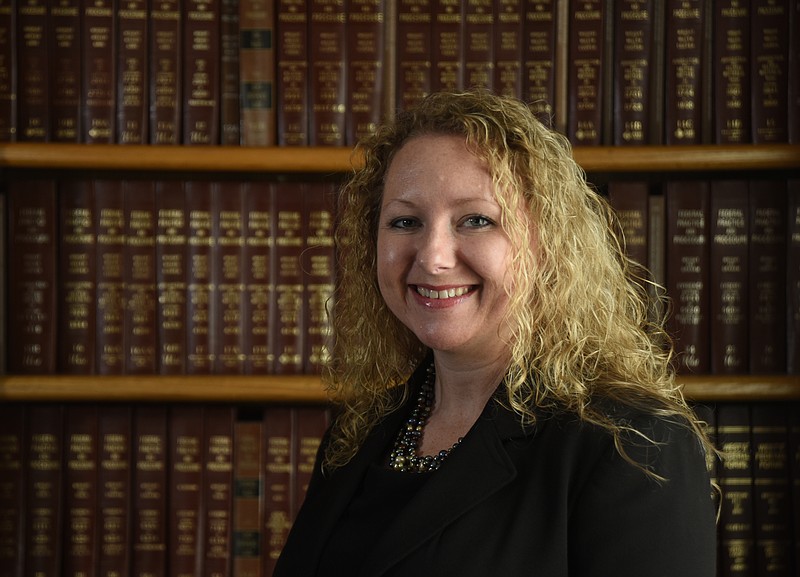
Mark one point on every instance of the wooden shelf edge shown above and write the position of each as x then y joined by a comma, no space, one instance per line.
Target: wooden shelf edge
741,388
322,160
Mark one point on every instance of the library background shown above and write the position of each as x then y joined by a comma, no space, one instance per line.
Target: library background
167,173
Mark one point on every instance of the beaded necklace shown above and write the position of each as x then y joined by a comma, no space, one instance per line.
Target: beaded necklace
404,455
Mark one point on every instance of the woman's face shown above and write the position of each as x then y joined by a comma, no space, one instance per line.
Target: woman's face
442,256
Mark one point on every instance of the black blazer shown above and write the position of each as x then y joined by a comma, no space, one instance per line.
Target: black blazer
556,500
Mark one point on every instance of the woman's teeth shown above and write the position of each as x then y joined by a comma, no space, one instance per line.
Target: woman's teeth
442,294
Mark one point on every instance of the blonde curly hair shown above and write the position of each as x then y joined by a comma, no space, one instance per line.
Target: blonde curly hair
580,313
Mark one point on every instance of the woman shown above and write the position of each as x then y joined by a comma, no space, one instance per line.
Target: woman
506,408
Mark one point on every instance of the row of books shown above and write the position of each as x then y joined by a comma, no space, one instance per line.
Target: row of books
759,481
168,277
322,72
151,490
728,253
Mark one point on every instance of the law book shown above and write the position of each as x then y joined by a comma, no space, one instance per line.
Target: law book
200,291
588,60
44,476
8,71
287,277
293,80
413,45
508,42
447,49
479,46
110,282
33,76
279,472
308,428
257,72
65,70
769,70
794,77
229,101
81,531
259,225
115,488
736,529
767,305
32,265
657,252
133,74
631,203
140,329
165,72
685,64
793,277
171,266
634,72
729,265
319,275
248,495
200,67
98,98
218,490
731,72
328,73
12,488
228,276
149,491
539,58
365,68
3,282
687,268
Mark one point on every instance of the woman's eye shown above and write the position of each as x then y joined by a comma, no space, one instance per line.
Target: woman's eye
403,222
477,221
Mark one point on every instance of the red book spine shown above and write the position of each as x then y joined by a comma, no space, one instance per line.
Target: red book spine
12,489
328,71
32,316
413,52
33,73
132,72
293,101
479,46
65,82
279,485
793,278
230,117
365,67
171,230
201,52
769,72
9,70
539,52
731,72
248,497
588,21
257,72
165,72
98,99
218,491
76,277
447,51
508,42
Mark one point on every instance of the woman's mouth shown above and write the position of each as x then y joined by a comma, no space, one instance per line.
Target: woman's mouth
447,293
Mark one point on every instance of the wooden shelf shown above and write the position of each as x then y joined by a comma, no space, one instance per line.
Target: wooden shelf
323,160
308,389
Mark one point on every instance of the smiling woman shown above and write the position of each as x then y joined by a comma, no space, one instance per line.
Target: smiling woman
507,406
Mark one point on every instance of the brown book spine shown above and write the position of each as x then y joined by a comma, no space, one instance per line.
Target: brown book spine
293,101
479,46
793,278
767,276
684,68
165,72
33,102
110,282
140,277
508,42
98,99
309,425
229,276
150,521
12,489
731,72
794,77
328,72
77,275
81,530
257,72
248,497
769,70
259,226
230,117
45,481
688,212
588,21
201,55
447,51
288,277
171,227
4,282
631,203
114,509
9,70
218,491
32,315
279,469
65,48
319,266
365,67
539,53
200,321
132,72
729,276
634,66
413,52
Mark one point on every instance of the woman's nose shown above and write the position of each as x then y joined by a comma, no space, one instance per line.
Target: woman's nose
436,251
